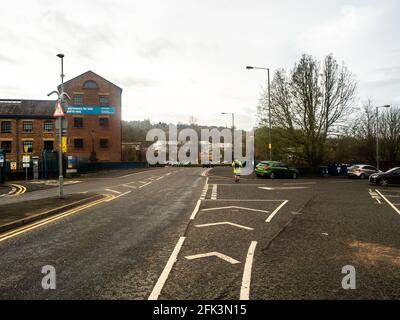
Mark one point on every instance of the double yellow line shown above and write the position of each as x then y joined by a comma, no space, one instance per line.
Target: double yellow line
43,222
20,189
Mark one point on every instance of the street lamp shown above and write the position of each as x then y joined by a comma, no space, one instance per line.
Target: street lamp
61,94
233,132
269,108
377,133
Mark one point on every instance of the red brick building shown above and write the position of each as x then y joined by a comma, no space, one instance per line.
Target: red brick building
93,122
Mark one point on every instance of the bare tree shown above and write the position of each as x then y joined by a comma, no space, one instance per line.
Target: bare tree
310,103
390,133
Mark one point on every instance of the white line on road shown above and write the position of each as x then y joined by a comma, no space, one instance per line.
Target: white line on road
391,196
116,197
115,191
214,254
129,186
283,188
390,204
214,192
235,207
245,289
196,209
245,200
276,211
146,184
222,223
298,183
164,275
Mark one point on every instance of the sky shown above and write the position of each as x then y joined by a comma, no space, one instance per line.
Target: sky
179,59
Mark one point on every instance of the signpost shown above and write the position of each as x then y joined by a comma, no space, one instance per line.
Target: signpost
26,162
59,113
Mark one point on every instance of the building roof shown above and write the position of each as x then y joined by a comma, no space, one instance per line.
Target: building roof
93,73
10,108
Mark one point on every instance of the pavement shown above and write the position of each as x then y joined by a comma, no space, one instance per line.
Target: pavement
175,233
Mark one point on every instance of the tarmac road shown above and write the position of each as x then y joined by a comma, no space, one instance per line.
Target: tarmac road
175,234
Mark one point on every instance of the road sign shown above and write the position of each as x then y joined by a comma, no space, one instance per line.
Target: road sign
94,110
26,159
1,158
64,124
64,144
59,112
26,165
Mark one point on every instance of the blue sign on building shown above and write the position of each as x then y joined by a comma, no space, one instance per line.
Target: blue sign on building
94,110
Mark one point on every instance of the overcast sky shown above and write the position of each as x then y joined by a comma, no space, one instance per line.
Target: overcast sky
177,58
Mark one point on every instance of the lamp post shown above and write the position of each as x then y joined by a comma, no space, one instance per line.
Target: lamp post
377,133
233,132
269,108
61,94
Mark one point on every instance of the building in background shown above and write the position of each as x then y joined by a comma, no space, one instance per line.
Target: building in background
93,122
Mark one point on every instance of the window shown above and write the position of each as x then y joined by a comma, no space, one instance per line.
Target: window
78,99
6,127
48,145
27,126
28,146
78,122
103,143
103,122
90,84
78,143
103,101
48,125
6,146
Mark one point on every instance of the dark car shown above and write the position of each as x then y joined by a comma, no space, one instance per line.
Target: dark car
389,177
275,169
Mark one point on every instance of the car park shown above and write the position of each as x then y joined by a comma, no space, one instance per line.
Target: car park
275,169
361,171
391,176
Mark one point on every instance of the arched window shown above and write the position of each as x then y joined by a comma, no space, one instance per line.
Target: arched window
90,84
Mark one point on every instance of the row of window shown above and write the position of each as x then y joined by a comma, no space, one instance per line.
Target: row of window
48,125
27,126
49,145
103,122
103,100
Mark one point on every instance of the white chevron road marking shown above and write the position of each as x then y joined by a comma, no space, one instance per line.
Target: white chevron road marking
213,254
222,223
235,207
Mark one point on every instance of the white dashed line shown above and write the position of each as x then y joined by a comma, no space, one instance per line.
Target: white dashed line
214,192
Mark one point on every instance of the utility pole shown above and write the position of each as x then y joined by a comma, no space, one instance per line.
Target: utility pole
269,108
59,112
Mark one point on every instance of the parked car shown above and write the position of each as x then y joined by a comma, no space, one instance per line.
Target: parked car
275,169
361,171
385,178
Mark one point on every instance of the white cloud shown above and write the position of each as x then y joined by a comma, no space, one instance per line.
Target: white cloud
181,57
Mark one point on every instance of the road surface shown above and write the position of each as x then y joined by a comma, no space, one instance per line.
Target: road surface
174,233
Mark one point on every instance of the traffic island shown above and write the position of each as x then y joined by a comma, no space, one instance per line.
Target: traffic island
15,215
